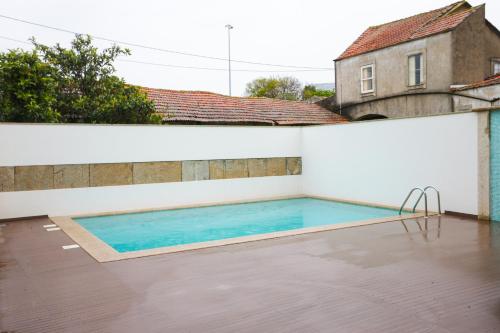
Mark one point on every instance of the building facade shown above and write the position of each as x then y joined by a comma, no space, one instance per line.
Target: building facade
421,65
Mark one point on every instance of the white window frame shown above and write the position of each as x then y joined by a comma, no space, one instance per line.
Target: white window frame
412,71
369,91
495,62
423,69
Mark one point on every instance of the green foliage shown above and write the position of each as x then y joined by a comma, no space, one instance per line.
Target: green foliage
79,86
27,88
311,91
288,88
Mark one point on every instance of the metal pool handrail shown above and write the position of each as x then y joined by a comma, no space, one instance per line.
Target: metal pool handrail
438,196
422,194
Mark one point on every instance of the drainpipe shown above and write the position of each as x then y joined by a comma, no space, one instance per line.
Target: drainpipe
339,85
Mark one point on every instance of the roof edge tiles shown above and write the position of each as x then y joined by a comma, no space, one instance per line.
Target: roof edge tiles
207,107
489,81
408,29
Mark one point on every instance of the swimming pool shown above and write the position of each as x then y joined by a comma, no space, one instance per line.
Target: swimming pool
131,232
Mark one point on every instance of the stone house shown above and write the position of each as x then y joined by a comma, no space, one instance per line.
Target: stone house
442,61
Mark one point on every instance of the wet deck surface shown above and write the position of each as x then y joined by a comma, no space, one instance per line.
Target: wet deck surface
376,278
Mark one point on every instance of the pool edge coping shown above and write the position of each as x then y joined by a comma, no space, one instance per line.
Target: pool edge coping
103,252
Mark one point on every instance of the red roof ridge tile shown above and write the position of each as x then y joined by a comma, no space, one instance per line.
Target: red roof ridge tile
183,91
203,92
444,9
446,14
410,28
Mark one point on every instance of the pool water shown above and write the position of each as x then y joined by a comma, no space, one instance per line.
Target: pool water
140,231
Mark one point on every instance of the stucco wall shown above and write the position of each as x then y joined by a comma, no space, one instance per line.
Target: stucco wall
424,104
29,145
391,69
402,106
377,161
475,44
466,104
380,161
492,49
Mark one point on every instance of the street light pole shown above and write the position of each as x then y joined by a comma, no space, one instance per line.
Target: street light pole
229,27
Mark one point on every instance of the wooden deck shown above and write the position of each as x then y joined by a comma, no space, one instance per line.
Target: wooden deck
376,278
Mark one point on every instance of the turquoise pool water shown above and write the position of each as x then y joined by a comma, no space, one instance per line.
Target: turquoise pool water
140,231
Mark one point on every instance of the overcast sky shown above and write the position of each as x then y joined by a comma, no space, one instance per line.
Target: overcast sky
289,32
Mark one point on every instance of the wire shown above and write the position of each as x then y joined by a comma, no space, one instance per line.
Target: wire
222,69
157,48
16,40
192,67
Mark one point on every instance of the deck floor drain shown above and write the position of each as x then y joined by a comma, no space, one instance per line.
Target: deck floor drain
69,247
49,225
53,229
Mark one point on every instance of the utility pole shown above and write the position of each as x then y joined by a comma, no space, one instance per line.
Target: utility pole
229,27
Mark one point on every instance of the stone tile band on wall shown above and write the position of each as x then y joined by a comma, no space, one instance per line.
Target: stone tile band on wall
156,172
46,177
6,179
38,177
195,170
71,176
110,174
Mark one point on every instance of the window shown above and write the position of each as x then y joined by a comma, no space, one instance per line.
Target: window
496,66
415,69
368,79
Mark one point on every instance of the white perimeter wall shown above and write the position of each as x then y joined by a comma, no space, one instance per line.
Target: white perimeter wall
380,161
377,161
73,144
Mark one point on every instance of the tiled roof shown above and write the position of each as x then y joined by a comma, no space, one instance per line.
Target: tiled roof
207,107
408,29
495,79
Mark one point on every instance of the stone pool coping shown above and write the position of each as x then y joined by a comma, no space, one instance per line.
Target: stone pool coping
102,252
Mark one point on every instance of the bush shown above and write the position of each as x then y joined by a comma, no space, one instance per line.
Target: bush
76,85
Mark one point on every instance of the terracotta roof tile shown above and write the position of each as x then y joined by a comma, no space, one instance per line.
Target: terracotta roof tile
207,107
408,29
495,79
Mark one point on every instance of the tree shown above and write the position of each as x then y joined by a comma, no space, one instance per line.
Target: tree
88,91
27,88
311,91
288,88
81,86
